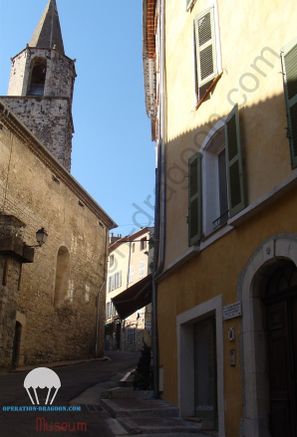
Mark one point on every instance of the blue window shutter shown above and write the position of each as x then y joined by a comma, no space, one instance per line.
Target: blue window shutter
290,89
195,200
234,164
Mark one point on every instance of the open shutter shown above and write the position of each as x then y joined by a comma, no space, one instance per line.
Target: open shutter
190,4
205,47
195,200
290,82
234,164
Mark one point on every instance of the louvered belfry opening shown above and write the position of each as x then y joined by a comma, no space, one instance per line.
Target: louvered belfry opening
37,78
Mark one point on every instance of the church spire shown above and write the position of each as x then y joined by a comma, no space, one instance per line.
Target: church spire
48,31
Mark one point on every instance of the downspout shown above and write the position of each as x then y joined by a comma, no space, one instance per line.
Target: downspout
160,202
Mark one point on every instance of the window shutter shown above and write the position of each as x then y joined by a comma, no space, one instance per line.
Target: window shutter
195,200
205,46
190,4
234,164
290,85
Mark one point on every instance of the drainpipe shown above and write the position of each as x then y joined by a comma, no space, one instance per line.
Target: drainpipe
129,264
160,203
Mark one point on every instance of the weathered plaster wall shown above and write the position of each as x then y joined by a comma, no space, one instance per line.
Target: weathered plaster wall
31,191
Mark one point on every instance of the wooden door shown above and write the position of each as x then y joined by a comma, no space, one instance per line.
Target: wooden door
282,355
205,372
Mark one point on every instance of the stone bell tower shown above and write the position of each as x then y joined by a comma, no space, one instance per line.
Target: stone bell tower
41,87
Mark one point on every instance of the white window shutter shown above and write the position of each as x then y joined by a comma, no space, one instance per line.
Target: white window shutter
205,41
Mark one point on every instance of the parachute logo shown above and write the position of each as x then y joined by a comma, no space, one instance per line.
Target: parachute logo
42,377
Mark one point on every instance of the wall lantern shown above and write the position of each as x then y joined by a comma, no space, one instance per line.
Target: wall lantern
41,236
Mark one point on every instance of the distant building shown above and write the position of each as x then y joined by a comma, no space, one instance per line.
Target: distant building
128,282
52,297
221,92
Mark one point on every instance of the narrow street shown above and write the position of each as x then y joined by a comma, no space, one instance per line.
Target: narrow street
75,380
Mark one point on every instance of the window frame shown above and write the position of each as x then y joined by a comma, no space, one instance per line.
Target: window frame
209,155
211,211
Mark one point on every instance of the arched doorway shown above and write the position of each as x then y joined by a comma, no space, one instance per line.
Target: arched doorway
280,300
266,289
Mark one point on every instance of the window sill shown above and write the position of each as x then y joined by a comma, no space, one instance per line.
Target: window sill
209,90
197,249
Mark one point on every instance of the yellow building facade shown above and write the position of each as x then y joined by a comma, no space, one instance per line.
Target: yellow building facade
224,116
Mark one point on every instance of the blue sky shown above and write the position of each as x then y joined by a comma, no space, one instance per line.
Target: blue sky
113,156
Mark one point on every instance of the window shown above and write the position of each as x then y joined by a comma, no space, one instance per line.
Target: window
290,84
108,313
37,78
130,335
214,186
142,269
143,243
131,275
110,310
87,293
216,181
115,281
62,276
133,247
205,52
111,260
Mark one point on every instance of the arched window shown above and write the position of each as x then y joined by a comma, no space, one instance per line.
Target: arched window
37,77
62,276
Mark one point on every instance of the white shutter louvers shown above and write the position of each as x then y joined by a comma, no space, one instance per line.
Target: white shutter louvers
206,61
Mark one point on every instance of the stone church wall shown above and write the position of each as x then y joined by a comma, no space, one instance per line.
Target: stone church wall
49,119
57,304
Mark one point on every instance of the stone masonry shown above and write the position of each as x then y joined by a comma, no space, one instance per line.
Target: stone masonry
37,190
56,309
49,119
46,111
13,253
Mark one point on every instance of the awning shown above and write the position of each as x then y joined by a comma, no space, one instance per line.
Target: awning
134,297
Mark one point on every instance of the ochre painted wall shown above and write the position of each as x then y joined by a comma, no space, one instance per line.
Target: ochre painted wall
245,29
216,271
